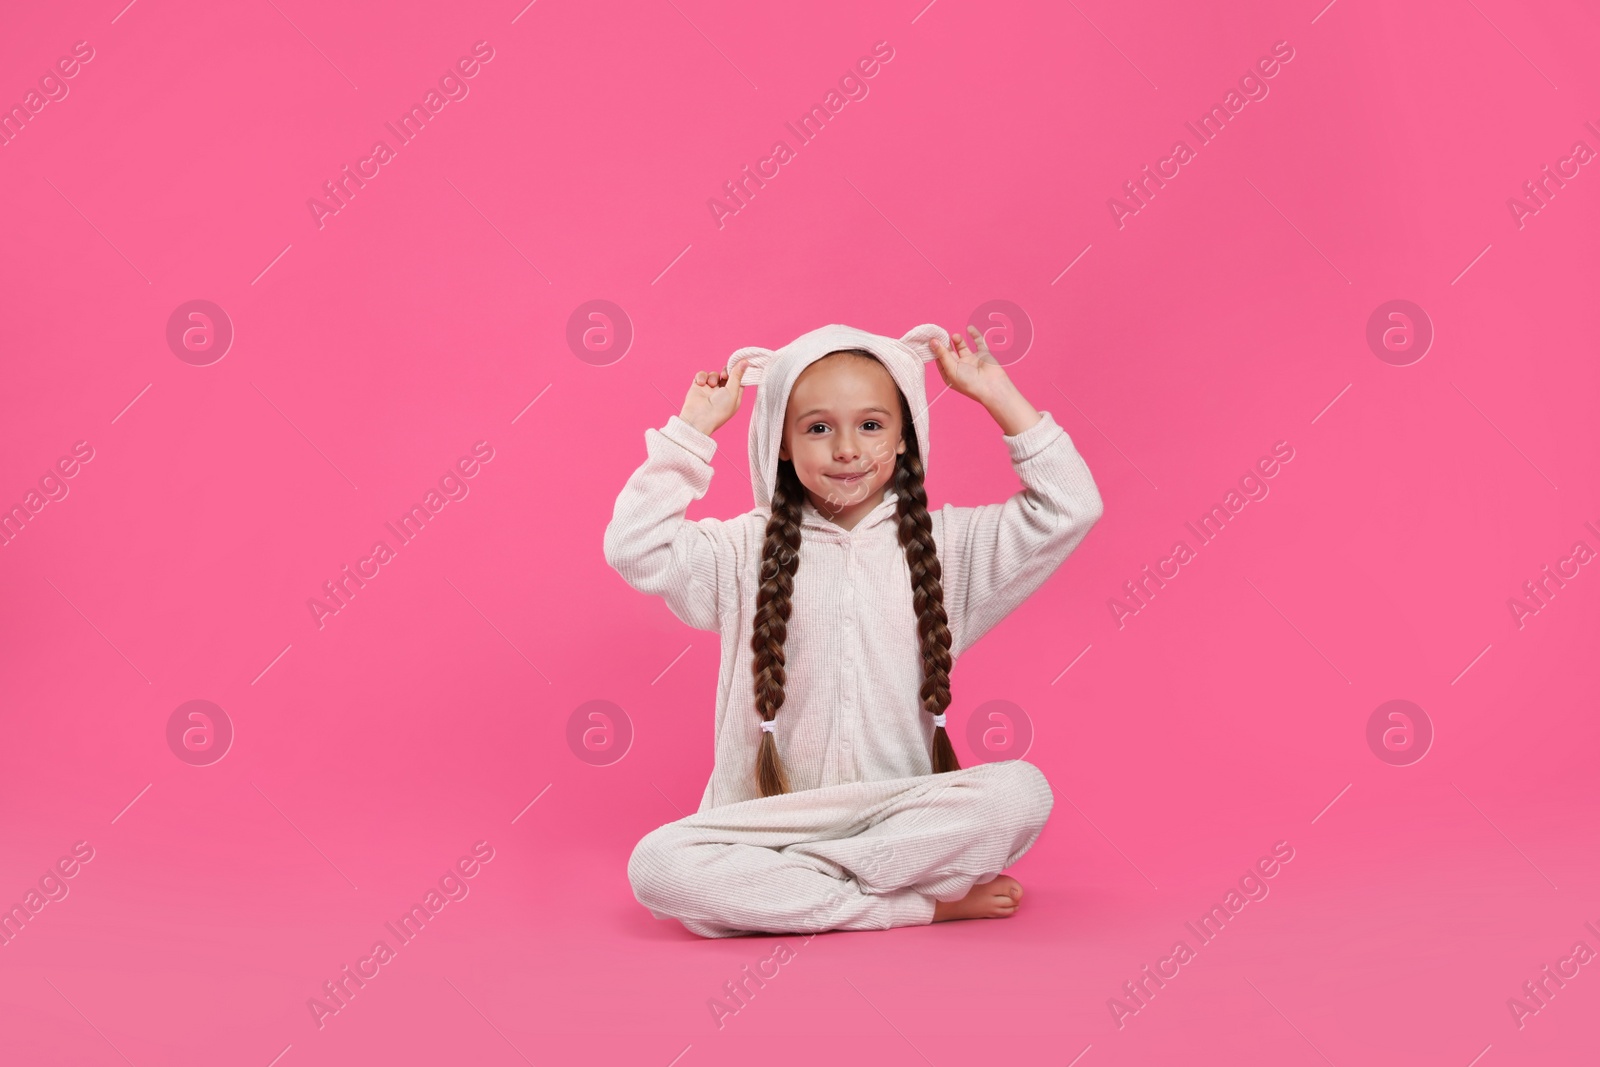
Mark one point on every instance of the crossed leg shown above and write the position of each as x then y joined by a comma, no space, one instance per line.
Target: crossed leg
858,856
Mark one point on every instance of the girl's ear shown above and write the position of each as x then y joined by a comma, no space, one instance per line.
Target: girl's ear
759,359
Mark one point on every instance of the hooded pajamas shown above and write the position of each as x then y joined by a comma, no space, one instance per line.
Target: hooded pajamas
869,837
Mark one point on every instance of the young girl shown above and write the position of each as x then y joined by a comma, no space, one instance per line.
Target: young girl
836,802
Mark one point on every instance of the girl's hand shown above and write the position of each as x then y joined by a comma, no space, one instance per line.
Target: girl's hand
972,371
713,398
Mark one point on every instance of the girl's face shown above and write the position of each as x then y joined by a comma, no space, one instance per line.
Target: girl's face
842,432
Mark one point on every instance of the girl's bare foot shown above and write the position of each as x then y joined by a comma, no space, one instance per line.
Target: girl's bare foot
991,900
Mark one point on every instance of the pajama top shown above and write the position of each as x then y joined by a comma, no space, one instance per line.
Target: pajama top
851,711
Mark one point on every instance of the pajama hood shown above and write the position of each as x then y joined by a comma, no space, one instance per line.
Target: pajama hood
775,372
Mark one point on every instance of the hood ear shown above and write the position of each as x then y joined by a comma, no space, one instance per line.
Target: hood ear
920,339
760,359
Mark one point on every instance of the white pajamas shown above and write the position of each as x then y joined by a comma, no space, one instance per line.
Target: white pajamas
861,856
851,732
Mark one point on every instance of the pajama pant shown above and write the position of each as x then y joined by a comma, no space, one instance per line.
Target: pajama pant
857,856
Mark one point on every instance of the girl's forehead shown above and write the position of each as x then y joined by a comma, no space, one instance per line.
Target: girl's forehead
843,382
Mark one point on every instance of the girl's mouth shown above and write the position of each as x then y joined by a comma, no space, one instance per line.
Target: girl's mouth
847,479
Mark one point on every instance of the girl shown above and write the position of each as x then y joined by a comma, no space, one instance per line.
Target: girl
836,801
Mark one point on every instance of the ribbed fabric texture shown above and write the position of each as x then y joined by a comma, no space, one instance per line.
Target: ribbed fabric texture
859,856
851,711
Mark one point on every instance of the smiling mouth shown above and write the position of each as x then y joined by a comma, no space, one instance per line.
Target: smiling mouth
848,479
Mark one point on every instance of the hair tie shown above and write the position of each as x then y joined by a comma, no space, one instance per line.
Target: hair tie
768,726
938,720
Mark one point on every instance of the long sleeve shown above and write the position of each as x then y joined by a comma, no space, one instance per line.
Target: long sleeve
654,547
996,555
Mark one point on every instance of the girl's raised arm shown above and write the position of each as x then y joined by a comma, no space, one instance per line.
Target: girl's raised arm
994,557
692,565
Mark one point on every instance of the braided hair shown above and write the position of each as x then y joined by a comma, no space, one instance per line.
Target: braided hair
780,559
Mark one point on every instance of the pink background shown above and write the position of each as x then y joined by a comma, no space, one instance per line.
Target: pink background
1228,314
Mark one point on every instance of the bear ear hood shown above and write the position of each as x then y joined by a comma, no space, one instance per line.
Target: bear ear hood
775,372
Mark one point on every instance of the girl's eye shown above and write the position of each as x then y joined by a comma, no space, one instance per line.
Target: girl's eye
873,422
815,425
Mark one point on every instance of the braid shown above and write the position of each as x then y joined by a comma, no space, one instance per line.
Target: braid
927,592
780,558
